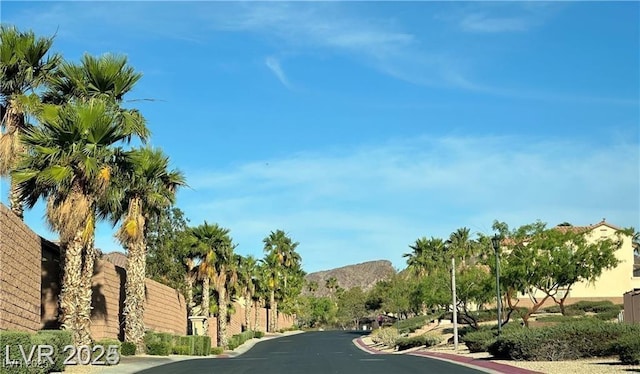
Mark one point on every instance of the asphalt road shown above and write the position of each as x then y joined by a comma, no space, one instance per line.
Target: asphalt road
312,353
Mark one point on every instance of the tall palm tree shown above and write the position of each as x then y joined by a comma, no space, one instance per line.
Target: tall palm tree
108,77
24,67
281,256
271,273
427,255
69,162
462,245
247,271
143,188
218,266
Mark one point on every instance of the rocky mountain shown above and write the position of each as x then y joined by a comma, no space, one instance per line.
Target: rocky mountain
364,275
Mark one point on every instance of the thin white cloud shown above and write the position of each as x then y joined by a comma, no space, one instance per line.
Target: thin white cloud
371,202
274,65
485,24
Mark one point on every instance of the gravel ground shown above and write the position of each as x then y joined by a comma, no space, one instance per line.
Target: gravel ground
584,366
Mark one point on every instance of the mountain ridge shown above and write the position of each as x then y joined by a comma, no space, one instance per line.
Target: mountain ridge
364,275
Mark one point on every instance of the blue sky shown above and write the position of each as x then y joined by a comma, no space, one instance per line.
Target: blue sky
358,127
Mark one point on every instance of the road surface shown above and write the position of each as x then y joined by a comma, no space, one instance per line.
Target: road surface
325,352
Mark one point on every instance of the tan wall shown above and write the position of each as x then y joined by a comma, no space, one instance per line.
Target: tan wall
19,274
106,300
632,306
165,309
236,322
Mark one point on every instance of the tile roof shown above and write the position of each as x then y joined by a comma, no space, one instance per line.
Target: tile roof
116,258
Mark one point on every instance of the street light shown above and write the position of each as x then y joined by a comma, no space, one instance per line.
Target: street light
495,242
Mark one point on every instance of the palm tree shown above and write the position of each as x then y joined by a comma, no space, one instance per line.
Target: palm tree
271,272
247,269
462,245
427,255
108,77
142,190
281,256
69,162
312,286
24,67
218,266
332,285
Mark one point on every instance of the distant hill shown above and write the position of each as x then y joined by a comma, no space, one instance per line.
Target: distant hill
364,275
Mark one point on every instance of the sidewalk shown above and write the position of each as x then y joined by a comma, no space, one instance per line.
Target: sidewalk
484,365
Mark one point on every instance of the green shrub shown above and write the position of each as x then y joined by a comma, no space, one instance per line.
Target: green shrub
201,345
479,341
608,315
412,324
417,341
258,334
58,339
127,349
217,350
552,309
628,348
561,318
566,341
159,348
181,350
386,336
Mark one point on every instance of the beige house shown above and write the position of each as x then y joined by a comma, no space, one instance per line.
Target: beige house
613,283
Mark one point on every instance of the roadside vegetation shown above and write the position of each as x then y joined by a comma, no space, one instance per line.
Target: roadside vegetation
67,134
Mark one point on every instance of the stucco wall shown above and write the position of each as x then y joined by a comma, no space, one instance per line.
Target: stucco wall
20,257
165,309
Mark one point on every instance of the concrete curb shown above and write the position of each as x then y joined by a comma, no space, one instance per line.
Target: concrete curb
481,365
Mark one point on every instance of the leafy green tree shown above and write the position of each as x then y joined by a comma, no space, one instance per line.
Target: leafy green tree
25,65
542,262
352,307
317,311
167,245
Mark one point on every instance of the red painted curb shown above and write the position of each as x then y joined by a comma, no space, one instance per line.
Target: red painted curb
501,368
365,347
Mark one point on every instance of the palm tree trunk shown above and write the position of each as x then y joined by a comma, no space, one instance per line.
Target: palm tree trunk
247,310
135,295
12,148
256,326
205,302
70,293
86,291
188,278
275,315
272,310
14,200
222,316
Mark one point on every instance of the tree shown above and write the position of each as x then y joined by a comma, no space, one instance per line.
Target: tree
69,163
332,285
427,255
167,246
24,67
312,286
281,255
144,187
247,271
218,266
352,307
542,262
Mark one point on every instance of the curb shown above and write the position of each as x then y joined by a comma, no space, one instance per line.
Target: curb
481,365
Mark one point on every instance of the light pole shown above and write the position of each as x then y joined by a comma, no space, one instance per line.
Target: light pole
495,242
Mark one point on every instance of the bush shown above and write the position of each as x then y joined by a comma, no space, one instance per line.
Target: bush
552,309
608,315
560,318
628,348
127,349
58,339
217,350
386,336
412,324
258,334
201,346
417,341
159,348
479,341
181,350
566,341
